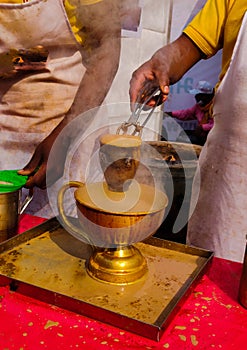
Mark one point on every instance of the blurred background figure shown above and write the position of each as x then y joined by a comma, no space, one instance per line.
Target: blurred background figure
202,111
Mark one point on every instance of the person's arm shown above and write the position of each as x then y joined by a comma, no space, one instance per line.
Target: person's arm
201,38
185,114
166,67
102,25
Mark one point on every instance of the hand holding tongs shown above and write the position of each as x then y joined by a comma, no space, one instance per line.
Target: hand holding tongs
139,107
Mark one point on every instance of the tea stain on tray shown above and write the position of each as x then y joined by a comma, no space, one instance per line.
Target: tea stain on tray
55,261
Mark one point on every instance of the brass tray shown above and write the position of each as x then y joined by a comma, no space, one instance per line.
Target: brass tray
48,264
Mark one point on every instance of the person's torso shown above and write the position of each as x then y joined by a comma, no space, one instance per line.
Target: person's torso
36,99
71,8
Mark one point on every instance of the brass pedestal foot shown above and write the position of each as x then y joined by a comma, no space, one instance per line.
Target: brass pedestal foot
121,265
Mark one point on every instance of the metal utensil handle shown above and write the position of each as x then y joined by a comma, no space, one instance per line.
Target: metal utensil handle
150,113
126,125
140,106
26,201
135,115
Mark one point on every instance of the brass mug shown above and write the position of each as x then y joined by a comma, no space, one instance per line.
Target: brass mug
119,159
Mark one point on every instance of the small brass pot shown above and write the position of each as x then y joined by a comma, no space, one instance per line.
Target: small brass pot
10,210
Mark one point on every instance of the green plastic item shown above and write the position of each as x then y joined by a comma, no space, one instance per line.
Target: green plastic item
11,181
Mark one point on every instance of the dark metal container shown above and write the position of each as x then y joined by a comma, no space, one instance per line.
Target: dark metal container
176,179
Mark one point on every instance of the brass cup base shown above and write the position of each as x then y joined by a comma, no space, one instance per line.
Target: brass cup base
121,265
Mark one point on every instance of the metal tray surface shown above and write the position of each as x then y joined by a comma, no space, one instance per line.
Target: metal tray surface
48,264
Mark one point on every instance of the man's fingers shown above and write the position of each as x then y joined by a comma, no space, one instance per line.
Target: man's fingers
37,178
165,89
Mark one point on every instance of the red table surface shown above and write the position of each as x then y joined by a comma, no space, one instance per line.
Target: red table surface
210,318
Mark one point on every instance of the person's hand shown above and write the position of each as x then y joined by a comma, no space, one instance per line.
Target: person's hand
39,174
169,113
145,80
13,61
7,66
166,67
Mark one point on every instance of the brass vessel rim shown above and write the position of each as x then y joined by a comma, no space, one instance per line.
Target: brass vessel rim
123,141
159,200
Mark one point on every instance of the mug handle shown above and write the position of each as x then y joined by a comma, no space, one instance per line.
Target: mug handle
69,226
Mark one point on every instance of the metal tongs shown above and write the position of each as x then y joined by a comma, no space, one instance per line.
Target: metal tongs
139,108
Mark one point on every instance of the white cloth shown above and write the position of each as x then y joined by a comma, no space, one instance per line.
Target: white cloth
219,221
33,103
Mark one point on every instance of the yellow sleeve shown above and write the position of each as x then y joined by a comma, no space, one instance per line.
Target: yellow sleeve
71,8
216,27
206,30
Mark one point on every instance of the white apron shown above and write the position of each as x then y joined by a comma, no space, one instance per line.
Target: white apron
219,221
34,102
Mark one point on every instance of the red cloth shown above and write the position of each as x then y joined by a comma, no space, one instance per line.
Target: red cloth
29,221
210,318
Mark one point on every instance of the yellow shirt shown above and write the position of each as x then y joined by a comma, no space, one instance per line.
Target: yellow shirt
71,10
216,27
